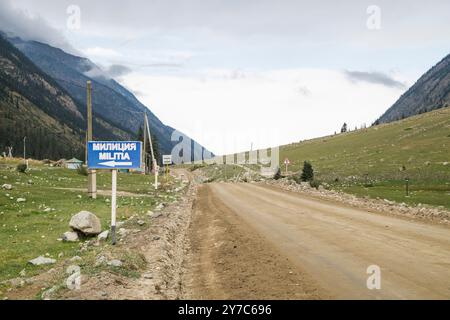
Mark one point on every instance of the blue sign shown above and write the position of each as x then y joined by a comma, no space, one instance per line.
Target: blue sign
114,154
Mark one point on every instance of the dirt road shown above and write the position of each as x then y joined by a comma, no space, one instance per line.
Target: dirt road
255,241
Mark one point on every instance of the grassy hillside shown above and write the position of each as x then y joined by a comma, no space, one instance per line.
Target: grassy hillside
375,161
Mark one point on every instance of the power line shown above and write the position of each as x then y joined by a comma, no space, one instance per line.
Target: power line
93,89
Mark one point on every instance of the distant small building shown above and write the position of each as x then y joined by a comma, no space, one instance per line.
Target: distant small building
73,164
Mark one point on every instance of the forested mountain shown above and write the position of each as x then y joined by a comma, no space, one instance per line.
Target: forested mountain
32,104
430,92
114,102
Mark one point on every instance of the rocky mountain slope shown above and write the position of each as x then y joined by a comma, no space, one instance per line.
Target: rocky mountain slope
32,104
430,92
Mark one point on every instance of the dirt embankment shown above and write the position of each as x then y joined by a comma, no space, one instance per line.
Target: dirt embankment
162,247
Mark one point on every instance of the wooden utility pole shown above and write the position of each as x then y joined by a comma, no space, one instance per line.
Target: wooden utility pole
155,165
25,151
92,174
145,144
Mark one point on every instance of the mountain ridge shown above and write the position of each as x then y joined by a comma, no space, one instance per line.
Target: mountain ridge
116,104
34,105
430,92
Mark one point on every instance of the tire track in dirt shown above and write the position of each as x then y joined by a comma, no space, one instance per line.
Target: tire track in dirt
229,260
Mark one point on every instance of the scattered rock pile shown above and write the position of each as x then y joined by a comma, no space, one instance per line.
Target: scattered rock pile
439,214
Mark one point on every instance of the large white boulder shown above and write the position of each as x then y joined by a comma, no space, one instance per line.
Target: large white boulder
42,260
86,223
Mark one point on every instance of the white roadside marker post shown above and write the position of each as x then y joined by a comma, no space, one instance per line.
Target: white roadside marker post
155,167
113,206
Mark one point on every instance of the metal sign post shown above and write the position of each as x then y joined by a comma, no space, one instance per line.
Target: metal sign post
286,163
167,160
114,155
113,206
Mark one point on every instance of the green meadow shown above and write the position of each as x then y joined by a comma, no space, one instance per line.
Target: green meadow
31,228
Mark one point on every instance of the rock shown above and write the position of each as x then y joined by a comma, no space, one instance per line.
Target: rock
156,238
147,276
115,263
86,222
159,206
23,273
30,181
123,232
41,261
17,283
156,215
140,222
75,259
149,213
72,269
21,200
305,185
103,236
119,224
7,186
100,260
70,236
47,294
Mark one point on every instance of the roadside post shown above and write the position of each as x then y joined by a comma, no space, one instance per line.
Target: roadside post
114,155
156,170
407,186
287,162
167,160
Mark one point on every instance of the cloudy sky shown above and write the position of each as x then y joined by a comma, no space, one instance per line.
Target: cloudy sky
233,72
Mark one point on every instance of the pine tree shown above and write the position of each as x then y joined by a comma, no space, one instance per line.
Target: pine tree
156,149
307,172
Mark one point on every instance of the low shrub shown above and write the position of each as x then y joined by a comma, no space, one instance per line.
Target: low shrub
277,175
82,170
314,184
22,167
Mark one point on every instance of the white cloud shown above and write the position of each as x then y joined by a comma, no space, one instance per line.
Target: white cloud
30,26
99,52
227,113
